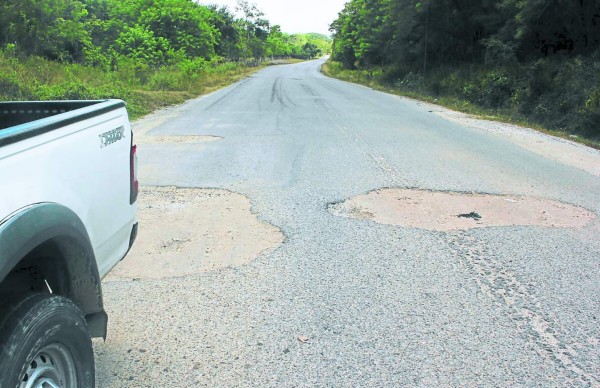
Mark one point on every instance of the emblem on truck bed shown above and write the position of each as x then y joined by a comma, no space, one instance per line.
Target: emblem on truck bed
113,136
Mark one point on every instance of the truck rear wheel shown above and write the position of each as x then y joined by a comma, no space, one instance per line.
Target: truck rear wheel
44,342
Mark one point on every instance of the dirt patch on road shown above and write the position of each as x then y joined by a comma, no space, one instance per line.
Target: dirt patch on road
187,231
447,211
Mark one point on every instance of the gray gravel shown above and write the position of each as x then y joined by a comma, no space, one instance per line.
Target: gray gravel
380,305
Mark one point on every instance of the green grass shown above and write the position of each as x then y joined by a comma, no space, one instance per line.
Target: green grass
143,89
414,88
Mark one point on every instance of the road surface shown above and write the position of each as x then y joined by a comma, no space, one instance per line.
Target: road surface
346,301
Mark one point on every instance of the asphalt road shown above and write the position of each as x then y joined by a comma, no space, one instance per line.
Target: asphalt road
378,305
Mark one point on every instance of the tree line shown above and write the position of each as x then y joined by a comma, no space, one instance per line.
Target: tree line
539,59
153,33
441,32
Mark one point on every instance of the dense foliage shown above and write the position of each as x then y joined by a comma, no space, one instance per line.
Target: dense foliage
146,32
533,59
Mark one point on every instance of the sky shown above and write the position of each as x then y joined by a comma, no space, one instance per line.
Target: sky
294,16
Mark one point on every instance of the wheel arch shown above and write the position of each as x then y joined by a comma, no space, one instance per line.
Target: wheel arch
51,240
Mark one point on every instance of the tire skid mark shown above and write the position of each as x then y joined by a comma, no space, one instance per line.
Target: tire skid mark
308,90
325,85
278,93
287,97
504,287
275,92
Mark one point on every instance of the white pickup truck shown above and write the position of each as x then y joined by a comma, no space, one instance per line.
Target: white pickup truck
68,191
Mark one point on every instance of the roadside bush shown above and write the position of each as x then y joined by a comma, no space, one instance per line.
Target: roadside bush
167,79
411,82
333,67
13,84
497,88
559,94
10,89
223,67
192,67
141,45
72,90
101,59
450,83
591,114
556,93
133,72
392,74
492,89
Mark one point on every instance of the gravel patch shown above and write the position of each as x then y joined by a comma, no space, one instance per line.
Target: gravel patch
188,231
446,211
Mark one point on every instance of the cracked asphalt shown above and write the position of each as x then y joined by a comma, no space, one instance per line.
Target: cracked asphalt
349,302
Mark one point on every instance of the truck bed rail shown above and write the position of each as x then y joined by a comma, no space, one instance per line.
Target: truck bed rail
22,120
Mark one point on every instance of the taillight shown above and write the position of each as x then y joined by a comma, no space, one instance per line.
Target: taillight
134,184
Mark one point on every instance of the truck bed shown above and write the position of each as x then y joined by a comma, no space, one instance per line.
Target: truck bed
22,120
77,154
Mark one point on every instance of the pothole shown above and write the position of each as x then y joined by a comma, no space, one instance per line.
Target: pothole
186,231
448,211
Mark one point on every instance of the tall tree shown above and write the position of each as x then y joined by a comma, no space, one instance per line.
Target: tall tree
51,28
184,24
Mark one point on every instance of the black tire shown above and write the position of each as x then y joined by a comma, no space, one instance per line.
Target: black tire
44,338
